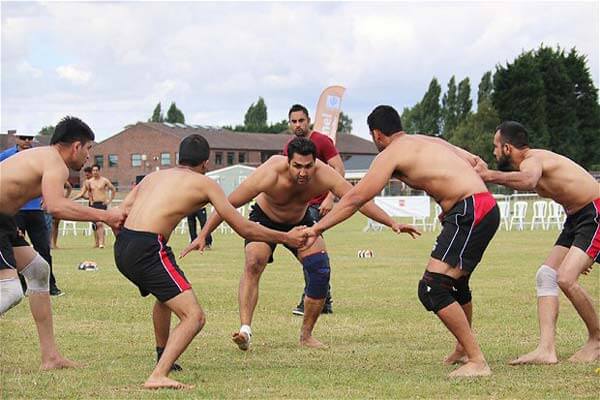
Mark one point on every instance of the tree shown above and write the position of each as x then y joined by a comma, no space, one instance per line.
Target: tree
175,115
484,90
255,119
449,109
47,130
463,100
157,115
430,110
344,123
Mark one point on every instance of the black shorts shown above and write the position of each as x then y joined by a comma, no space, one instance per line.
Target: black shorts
258,215
146,260
582,230
9,238
100,206
467,229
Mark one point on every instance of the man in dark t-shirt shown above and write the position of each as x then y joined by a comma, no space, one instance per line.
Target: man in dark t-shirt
320,205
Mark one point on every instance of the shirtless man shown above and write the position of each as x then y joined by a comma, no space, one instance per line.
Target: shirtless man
154,207
576,249
42,171
283,187
469,221
98,188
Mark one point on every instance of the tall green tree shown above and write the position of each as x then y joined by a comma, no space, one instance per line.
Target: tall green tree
485,88
175,115
255,119
157,115
47,130
430,110
449,109
463,100
344,124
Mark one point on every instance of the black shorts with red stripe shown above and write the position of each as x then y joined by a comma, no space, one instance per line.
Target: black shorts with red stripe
146,260
582,230
467,229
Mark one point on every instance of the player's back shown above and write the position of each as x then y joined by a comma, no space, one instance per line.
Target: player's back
164,198
436,169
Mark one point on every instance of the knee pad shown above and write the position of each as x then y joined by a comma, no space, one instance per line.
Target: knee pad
462,294
11,294
436,291
546,281
316,267
37,275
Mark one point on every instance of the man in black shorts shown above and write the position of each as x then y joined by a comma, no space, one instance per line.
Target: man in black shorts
471,218
154,207
283,187
578,246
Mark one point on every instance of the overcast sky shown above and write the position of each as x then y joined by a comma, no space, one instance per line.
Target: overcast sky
110,63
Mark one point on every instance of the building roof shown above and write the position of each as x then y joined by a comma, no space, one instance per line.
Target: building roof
219,138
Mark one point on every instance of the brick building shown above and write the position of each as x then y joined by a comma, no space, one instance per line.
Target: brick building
145,147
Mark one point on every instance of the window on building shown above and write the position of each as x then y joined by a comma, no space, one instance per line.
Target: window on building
264,155
165,158
136,160
242,157
230,157
218,158
113,160
99,159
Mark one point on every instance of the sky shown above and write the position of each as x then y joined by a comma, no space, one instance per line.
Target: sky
110,63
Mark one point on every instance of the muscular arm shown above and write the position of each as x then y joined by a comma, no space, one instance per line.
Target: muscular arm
58,205
112,189
129,200
337,164
369,186
69,189
83,192
530,172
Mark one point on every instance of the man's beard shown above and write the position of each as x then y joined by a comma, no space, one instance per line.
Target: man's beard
504,164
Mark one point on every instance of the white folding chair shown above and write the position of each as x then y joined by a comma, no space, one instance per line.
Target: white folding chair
420,221
518,214
373,226
539,214
89,230
504,207
225,228
435,220
182,227
556,215
69,225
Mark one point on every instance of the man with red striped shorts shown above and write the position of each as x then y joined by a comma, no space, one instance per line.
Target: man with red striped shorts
154,208
578,246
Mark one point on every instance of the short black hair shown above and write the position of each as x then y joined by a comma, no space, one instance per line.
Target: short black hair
88,169
96,166
70,130
298,107
386,119
302,146
193,150
513,133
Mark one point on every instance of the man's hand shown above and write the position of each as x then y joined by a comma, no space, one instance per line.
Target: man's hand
406,228
197,244
482,169
326,205
311,236
296,237
115,217
588,269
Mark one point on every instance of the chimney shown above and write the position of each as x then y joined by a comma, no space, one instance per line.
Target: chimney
11,132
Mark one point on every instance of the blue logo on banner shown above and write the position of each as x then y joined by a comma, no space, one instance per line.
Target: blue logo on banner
333,102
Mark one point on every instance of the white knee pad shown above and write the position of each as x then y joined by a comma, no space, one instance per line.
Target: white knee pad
11,294
546,281
37,275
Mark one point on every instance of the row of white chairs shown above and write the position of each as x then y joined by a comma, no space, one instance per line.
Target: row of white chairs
224,227
546,214
71,227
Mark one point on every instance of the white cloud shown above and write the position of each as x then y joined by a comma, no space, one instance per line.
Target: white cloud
29,70
73,74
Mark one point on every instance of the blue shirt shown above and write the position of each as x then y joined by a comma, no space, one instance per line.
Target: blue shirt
35,204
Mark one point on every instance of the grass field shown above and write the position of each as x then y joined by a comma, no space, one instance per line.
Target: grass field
383,344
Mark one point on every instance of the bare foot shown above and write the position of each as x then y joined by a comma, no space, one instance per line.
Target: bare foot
58,363
165,383
312,343
536,357
242,340
588,353
456,357
471,369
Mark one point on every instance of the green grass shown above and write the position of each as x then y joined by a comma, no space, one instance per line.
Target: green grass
383,343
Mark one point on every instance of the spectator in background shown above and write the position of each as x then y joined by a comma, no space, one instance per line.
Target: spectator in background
191,219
